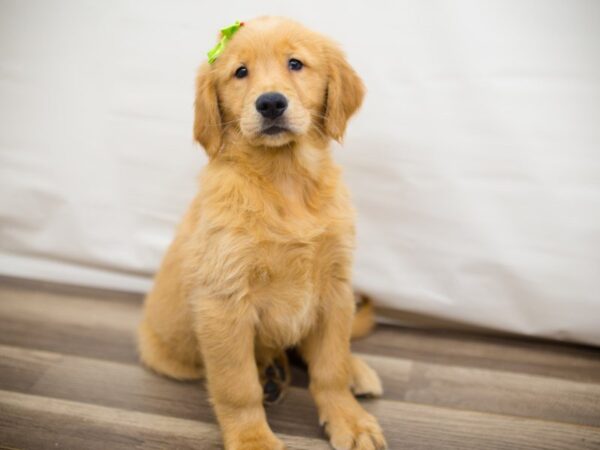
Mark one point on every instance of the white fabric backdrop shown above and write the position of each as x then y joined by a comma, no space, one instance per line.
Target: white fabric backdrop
474,163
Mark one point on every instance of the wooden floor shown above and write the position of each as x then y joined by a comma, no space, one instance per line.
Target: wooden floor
69,378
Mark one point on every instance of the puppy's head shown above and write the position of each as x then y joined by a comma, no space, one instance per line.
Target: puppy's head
276,83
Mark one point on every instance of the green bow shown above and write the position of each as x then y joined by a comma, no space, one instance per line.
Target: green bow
226,35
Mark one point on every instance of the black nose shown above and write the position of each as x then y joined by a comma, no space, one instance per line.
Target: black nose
271,105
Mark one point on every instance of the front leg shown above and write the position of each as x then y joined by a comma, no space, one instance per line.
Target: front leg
327,353
226,332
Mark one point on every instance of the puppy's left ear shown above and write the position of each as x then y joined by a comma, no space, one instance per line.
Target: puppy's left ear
207,118
345,92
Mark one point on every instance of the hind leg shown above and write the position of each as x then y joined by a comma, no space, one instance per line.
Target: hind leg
364,380
180,360
274,374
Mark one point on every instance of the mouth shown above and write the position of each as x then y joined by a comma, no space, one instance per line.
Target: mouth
274,129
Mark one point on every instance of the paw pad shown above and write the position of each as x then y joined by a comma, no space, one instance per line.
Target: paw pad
275,380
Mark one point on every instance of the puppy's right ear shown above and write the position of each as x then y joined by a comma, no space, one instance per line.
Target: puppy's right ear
207,120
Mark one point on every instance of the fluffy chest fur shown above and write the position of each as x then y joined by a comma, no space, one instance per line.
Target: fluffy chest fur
270,240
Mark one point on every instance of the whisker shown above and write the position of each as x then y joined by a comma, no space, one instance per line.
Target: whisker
322,116
224,123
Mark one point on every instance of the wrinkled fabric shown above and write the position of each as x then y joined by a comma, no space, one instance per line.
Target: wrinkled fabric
474,163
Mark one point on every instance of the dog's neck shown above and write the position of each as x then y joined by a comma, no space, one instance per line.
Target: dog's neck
299,173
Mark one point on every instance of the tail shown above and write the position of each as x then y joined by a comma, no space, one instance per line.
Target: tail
364,318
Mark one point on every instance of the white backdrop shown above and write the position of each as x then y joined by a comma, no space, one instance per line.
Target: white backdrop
474,163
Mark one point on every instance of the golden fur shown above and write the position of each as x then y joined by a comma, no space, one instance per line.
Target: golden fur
263,258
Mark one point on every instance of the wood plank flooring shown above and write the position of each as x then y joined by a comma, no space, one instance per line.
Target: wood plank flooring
70,379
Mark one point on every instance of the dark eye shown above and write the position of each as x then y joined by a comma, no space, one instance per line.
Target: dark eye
295,64
241,72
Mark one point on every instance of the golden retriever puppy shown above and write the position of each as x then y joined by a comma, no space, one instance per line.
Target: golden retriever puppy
263,258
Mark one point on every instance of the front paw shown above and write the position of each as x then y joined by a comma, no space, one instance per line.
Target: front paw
354,429
256,440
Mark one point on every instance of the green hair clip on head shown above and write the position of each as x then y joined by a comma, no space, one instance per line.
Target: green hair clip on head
226,35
